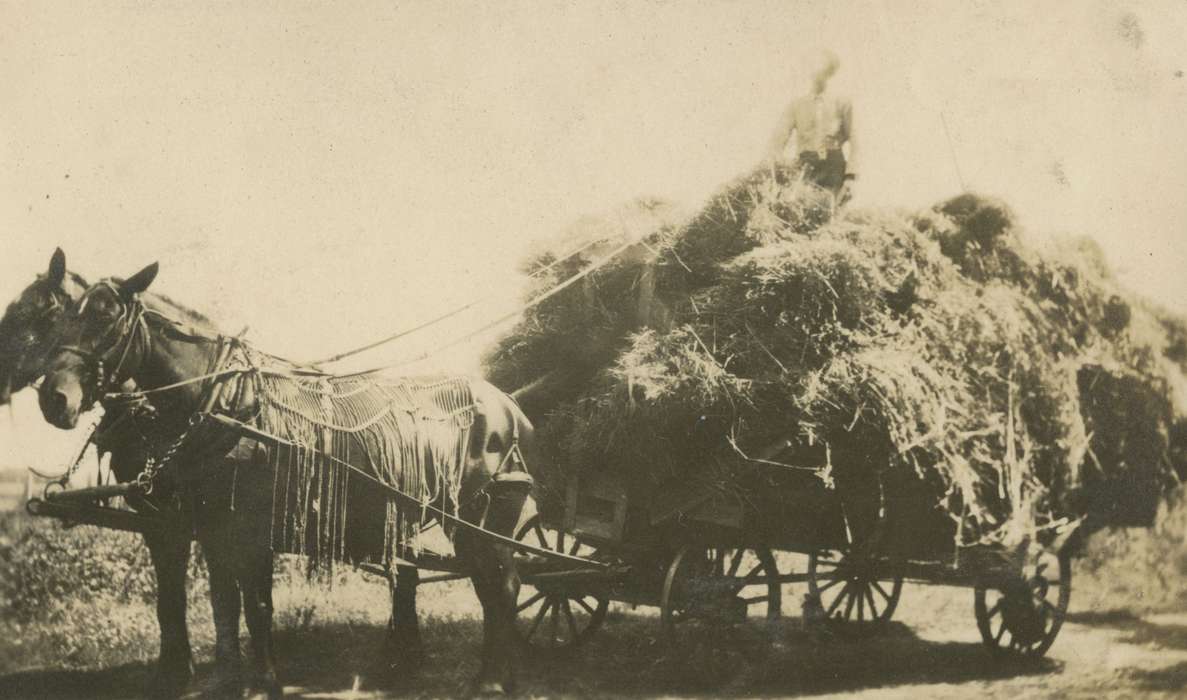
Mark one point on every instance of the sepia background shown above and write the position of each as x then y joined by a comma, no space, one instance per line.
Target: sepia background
324,173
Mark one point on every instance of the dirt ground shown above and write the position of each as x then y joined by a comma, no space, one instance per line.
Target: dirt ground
327,642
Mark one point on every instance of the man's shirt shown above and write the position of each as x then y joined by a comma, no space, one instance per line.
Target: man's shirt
820,124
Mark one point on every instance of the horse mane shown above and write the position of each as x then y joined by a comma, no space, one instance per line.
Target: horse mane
77,279
174,309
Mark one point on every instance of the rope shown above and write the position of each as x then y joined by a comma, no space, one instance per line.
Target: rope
445,316
501,319
301,368
133,395
952,152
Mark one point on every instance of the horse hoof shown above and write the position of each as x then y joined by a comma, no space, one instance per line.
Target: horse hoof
167,685
392,672
267,688
489,689
226,690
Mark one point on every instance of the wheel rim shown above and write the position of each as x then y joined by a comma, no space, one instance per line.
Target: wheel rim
854,593
718,585
1024,617
557,616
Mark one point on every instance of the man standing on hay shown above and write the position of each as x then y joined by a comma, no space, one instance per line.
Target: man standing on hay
822,127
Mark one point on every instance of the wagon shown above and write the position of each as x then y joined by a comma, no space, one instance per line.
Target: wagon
705,555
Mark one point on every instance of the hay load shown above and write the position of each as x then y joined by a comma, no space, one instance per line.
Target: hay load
764,337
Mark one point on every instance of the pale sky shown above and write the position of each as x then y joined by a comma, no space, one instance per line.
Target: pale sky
326,173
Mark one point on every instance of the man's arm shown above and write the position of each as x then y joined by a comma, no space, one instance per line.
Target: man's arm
850,143
783,133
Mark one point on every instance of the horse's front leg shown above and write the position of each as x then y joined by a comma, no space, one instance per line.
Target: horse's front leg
403,654
492,571
255,580
497,585
224,603
170,554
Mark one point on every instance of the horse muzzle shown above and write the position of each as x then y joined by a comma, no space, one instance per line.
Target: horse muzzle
60,398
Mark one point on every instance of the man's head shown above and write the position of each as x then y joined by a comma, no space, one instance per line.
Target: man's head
825,66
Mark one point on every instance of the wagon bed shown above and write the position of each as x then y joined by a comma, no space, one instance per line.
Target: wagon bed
703,554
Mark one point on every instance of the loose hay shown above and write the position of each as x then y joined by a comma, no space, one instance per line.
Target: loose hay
1019,387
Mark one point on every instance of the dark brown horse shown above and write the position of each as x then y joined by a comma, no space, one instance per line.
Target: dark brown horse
25,339
117,333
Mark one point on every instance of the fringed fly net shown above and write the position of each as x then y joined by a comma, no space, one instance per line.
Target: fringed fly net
410,433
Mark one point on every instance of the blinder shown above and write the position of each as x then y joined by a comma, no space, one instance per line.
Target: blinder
121,334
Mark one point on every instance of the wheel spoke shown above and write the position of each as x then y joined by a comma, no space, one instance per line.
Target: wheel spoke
541,540
539,618
529,602
576,546
737,562
994,610
750,576
997,639
826,569
838,600
560,541
572,622
829,585
861,604
877,586
554,625
870,600
582,603
849,605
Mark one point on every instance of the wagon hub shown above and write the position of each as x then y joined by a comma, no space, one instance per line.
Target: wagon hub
1023,617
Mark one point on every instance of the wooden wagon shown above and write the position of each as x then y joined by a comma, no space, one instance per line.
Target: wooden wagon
708,555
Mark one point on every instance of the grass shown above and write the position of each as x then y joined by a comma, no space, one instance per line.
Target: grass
328,638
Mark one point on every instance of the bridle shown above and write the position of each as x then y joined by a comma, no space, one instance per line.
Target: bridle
24,343
118,338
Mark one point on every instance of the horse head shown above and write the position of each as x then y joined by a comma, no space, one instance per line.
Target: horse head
26,327
102,339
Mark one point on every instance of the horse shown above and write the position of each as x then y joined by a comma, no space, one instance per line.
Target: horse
25,339
118,331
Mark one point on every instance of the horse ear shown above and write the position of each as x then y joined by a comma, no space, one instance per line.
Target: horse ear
57,267
139,282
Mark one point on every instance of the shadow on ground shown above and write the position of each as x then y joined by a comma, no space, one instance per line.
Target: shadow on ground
124,681
1141,631
1144,633
626,658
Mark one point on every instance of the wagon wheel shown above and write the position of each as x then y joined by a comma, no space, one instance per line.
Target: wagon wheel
717,586
1023,616
558,615
855,591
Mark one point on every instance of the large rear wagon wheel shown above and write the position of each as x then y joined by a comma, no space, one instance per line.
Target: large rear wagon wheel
557,616
711,587
1023,616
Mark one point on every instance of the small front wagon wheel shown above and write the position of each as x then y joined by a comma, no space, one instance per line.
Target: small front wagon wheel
856,594
558,615
1022,617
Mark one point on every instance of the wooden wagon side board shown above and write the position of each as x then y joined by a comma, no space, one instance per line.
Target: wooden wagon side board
596,507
